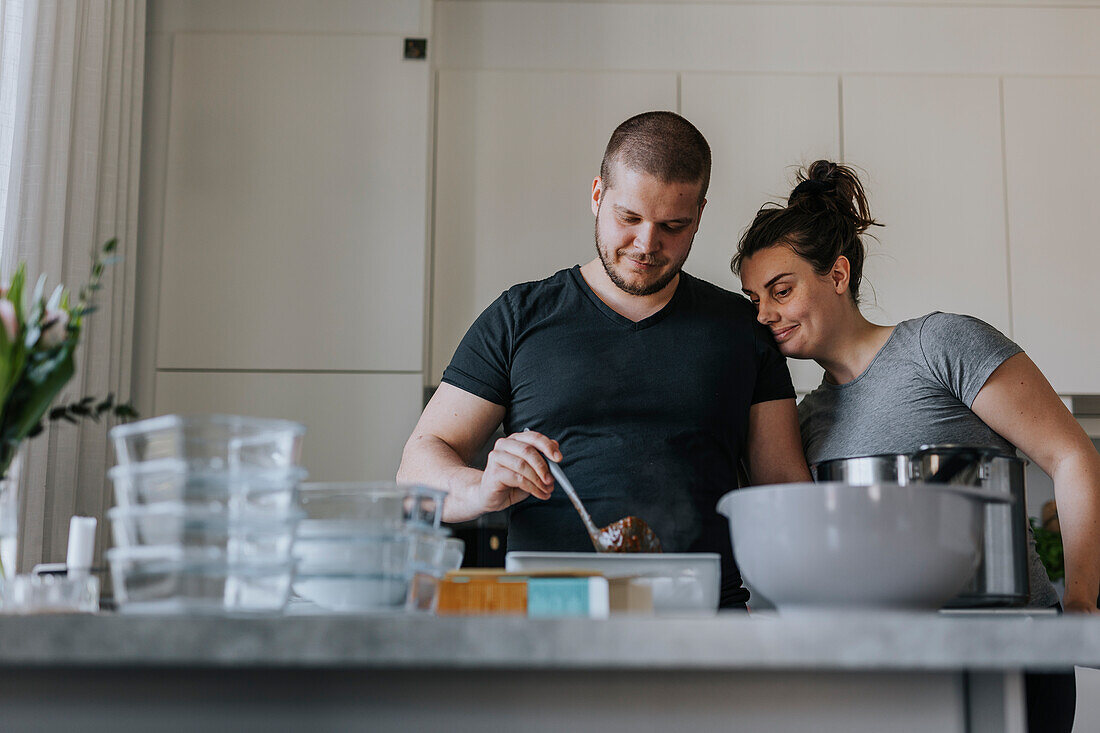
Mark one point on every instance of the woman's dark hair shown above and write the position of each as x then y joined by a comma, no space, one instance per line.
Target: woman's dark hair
824,217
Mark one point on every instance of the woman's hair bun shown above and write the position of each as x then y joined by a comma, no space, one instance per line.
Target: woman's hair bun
827,187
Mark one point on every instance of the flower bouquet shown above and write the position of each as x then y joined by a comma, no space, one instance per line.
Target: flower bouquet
38,336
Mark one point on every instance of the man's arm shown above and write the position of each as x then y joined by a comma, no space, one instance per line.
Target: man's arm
774,450
454,426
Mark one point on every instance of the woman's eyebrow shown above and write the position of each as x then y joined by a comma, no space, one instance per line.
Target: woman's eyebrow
771,282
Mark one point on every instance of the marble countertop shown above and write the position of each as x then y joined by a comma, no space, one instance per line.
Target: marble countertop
728,641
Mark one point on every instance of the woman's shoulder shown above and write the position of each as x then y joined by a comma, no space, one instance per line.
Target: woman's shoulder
960,351
939,331
940,321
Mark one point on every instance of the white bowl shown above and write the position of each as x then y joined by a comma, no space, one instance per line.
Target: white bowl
682,583
831,545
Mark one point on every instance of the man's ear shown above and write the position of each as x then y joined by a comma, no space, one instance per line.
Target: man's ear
597,193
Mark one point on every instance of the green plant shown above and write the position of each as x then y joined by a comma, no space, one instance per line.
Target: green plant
1048,544
37,339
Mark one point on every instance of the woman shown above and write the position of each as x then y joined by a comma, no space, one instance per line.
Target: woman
941,378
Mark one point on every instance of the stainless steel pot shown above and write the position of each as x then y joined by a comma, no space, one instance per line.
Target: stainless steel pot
1002,576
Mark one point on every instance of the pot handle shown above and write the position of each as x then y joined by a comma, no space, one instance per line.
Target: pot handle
992,496
957,458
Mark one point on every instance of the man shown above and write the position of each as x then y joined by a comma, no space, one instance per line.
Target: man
647,384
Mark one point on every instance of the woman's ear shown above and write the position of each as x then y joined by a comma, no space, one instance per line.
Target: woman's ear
841,274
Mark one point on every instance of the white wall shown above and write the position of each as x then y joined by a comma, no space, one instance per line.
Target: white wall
300,257
934,101
284,220
975,124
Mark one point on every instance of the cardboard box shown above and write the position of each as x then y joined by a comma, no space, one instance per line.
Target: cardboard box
542,594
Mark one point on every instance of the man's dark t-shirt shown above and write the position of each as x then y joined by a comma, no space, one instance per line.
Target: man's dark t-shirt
651,416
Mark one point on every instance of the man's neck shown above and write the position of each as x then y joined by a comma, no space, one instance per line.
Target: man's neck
633,307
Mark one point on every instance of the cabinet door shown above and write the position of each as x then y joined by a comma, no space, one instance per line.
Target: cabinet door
760,129
930,149
295,197
516,155
356,424
1053,158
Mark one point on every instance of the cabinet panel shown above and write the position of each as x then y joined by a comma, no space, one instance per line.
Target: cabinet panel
356,424
289,16
294,234
1052,159
760,128
875,36
515,159
931,152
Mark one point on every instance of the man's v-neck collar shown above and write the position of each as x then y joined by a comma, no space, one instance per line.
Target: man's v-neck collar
618,318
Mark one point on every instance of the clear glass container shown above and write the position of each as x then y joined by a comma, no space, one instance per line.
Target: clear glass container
27,594
372,507
212,442
211,527
243,492
172,580
353,573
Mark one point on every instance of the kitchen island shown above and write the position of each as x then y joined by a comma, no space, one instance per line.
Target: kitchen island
822,671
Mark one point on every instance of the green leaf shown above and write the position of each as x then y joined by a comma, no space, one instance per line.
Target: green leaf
106,404
40,397
126,411
15,292
111,245
12,357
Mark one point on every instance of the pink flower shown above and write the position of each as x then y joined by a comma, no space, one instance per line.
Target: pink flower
54,328
7,315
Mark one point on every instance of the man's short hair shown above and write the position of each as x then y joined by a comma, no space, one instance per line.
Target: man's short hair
662,144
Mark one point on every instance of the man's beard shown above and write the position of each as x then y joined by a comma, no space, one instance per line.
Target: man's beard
644,289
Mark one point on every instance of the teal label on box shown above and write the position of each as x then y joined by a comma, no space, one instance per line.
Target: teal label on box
558,597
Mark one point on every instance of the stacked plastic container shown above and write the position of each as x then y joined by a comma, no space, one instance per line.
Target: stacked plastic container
361,544
206,514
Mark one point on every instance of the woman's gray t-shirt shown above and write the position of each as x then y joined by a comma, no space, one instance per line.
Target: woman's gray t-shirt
917,391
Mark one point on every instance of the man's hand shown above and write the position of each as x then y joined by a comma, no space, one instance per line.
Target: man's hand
516,469
450,434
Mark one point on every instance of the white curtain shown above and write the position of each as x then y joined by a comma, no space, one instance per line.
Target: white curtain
72,185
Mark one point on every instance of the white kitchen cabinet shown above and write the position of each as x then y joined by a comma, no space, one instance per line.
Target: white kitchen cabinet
760,128
931,151
356,424
295,198
1052,157
290,16
516,154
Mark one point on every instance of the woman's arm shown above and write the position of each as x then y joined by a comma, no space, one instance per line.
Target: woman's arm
1018,402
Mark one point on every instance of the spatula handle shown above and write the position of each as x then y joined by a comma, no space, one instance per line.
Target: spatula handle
559,476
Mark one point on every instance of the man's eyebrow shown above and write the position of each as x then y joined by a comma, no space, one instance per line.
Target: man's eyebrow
771,282
620,209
